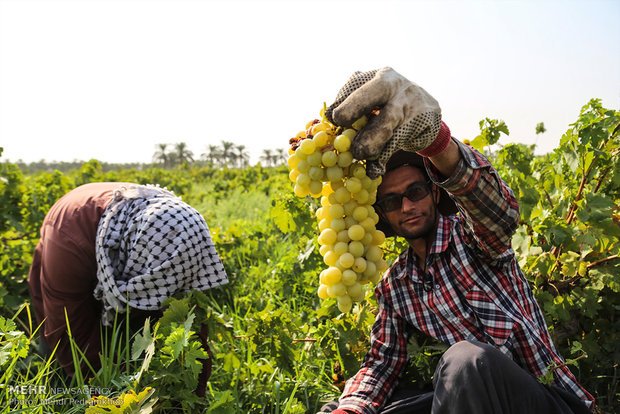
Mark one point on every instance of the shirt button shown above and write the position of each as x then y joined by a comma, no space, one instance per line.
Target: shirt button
437,287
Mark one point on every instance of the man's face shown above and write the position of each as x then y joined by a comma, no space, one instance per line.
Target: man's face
414,219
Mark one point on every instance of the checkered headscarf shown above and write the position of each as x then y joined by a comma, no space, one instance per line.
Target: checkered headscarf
151,245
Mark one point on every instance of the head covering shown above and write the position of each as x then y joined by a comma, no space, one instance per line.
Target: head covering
401,158
151,245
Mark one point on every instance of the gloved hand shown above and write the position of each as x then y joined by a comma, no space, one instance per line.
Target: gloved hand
408,117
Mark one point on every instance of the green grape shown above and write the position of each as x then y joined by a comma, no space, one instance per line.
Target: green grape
342,195
332,276
356,248
355,290
339,289
360,214
340,248
330,258
293,161
315,188
354,185
349,277
303,180
338,224
374,253
307,146
359,265
342,143
336,210
347,260
293,175
334,173
320,139
314,159
329,158
324,224
301,191
303,166
317,174
345,159
356,232
345,303
322,292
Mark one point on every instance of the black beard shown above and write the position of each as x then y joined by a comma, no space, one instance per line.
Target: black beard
425,232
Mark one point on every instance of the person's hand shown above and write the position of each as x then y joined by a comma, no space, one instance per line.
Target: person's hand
406,117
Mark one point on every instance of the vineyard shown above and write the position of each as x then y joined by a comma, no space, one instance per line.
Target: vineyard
278,348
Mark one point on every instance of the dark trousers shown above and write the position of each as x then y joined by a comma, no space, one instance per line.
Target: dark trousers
476,378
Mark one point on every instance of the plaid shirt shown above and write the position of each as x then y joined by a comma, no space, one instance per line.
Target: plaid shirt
475,291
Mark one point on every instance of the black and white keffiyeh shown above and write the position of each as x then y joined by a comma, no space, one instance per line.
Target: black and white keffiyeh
151,245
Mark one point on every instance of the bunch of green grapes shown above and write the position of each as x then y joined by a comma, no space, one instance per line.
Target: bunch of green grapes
321,165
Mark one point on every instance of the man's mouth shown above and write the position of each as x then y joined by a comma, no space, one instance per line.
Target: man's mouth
411,219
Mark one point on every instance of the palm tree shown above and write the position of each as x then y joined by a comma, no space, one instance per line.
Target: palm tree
281,156
267,157
212,157
182,154
161,155
227,155
242,156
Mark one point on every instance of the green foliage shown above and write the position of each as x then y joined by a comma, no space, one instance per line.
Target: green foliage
276,348
490,130
569,239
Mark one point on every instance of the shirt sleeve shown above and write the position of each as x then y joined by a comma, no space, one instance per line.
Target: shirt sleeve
489,209
370,388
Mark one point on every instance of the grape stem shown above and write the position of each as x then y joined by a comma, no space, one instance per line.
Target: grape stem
606,259
304,340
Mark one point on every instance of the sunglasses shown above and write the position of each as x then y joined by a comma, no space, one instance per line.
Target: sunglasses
416,191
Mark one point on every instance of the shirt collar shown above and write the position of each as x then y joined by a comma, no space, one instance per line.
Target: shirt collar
442,239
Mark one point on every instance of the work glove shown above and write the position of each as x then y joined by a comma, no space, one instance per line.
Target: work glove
405,117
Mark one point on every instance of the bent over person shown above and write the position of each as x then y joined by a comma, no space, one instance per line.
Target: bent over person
108,246
458,281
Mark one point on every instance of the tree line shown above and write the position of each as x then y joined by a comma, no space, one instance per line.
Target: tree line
225,155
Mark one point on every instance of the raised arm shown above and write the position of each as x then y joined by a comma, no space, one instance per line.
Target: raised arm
488,206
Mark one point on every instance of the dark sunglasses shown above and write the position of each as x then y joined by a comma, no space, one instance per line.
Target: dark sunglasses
416,191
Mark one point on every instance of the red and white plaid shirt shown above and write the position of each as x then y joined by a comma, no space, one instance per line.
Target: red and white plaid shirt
478,291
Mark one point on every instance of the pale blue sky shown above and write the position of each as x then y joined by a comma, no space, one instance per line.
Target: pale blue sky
111,79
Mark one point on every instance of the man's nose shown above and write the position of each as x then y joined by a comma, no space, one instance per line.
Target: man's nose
406,205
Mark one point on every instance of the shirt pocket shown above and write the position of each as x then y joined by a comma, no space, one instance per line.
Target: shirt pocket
496,325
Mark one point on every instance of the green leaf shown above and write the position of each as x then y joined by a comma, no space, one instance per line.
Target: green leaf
572,160
231,362
479,143
176,341
142,340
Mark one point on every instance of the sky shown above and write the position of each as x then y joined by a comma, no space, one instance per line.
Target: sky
111,79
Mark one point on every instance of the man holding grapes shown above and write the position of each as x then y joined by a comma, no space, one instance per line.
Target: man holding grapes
459,280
